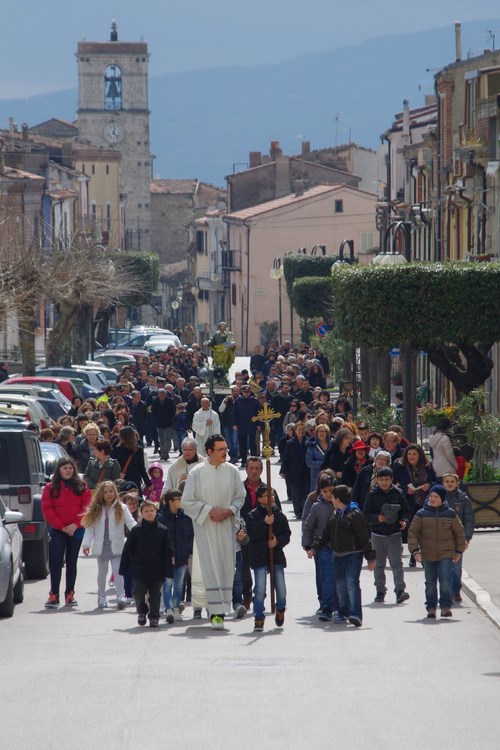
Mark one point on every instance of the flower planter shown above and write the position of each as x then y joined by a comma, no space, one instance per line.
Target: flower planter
485,498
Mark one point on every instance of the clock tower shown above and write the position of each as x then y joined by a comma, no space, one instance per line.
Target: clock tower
113,114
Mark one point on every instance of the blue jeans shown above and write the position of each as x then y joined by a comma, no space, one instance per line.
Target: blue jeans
63,547
259,591
172,588
456,577
180,435
347,570
231,438
438,570
329,600
237,581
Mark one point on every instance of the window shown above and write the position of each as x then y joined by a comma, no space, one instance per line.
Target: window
113,87
93,168
471,95
83,168
233,294
200,243
108,216
366,242
339,206
107,168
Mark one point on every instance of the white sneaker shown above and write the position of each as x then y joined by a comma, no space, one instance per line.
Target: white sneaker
101,602
239,611
177,615
129,601
121,602
182,607
169,616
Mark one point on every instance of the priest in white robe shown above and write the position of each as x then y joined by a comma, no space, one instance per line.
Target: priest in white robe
206,422
212,498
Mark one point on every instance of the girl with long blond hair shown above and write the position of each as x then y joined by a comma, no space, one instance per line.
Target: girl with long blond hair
104,522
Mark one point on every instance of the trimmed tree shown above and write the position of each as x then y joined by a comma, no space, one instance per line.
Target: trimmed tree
449,310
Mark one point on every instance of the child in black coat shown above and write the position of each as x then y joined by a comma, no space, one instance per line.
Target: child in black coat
149,555
258,523
180,529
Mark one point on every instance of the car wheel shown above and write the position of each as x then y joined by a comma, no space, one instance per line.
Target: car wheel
36,559
19,587
7,606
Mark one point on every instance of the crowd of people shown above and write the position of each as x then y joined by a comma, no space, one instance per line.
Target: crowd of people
188,527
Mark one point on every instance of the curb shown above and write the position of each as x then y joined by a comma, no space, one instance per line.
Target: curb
481,598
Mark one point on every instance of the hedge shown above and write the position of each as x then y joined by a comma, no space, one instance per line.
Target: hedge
419,304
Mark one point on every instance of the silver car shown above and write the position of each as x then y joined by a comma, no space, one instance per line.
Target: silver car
11,560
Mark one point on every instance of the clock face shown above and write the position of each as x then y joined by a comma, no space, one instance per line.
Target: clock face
113,132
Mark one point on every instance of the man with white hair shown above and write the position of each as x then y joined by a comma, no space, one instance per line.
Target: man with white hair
206,422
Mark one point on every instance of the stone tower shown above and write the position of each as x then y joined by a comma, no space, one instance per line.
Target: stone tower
113,114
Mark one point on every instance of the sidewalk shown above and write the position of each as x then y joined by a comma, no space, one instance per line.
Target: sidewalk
481,572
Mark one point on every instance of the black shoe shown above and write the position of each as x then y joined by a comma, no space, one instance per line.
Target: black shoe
153,623
141,620
380,597
197,614
258,625
402,596
325,616
355,621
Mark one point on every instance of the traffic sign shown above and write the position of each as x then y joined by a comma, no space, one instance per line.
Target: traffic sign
395,351
322,329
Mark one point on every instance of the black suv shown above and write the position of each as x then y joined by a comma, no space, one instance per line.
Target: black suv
22,479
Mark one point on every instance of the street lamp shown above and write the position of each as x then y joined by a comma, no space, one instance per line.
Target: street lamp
354,360
276,273
394,257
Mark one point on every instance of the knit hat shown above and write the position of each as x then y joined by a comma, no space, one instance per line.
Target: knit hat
439,490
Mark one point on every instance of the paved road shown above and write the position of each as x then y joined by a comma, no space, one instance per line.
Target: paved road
93,679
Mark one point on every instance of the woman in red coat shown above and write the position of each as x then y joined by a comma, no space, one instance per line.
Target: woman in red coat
64,501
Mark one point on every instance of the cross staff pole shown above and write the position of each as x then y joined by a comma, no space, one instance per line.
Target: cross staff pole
265,415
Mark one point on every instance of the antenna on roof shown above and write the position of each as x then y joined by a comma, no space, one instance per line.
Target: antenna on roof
114,31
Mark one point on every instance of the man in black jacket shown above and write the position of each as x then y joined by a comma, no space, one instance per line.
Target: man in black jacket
139,413
387,513
147,555
163,411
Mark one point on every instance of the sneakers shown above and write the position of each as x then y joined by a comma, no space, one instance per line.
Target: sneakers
380,597
153,623
70,600
431,613
402,596
101,602
325,616
52,602
129,601
121,602
141,620
457,598
258,625
239,611
319,611
177,615
169,616
339,620
446,612
279,617
356,621
197,614
182,606
217,622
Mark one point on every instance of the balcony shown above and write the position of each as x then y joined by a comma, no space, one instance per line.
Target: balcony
231,260
208,281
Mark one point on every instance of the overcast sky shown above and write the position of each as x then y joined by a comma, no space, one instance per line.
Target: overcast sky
39,39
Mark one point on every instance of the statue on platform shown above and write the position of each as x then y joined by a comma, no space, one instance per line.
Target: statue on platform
223,348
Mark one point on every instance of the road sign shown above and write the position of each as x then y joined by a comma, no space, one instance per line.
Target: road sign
395,352
322,329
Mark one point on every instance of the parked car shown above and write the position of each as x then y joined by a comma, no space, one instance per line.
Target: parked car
161,343
14,404
11,421
51,453
110,374
22,479
54,402
93,382
11,560
135,352
65,385
114,359
142,339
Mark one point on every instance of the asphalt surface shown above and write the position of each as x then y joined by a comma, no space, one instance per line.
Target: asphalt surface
84,677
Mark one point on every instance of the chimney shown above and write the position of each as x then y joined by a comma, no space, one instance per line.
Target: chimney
458,41
254,159
12,127
24,131
298,188
406,119
282,176
275,150
306,148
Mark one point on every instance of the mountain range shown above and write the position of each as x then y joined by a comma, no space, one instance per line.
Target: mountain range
204,122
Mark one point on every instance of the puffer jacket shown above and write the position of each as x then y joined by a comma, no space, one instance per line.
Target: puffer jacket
437,533
461,504
345,532
94,535
66,509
